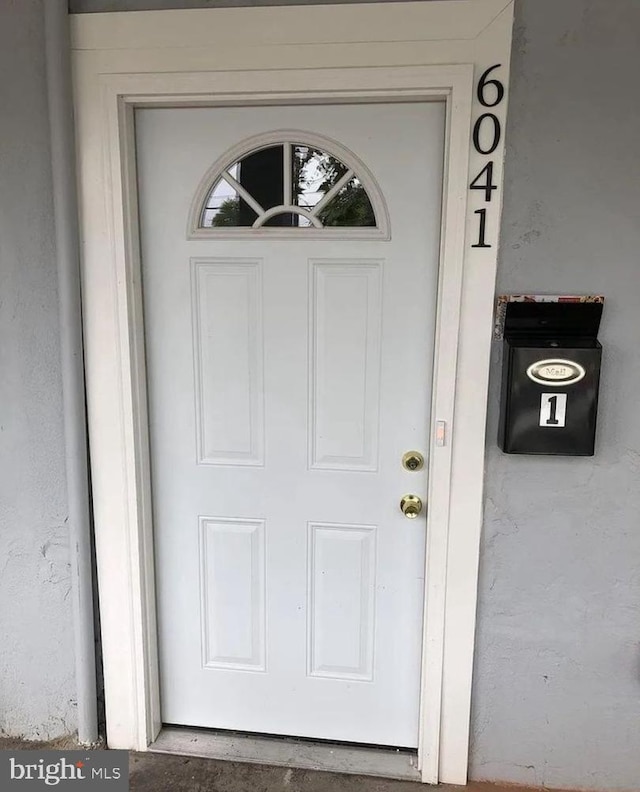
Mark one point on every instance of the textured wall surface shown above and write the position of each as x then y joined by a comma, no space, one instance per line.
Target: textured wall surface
36,655
557,678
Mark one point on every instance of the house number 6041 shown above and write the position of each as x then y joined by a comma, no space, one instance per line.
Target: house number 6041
487,132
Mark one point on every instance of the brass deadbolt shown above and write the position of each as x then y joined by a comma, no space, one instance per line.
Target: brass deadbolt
413,460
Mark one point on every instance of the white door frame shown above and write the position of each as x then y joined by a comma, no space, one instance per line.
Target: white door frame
246,56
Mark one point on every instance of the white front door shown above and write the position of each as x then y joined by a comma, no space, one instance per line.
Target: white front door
289,371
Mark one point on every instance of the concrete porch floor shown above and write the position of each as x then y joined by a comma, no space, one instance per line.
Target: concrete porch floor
152,772
163,773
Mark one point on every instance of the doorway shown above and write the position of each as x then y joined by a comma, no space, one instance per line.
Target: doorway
290,272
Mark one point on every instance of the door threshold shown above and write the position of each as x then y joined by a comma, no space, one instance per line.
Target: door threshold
288,752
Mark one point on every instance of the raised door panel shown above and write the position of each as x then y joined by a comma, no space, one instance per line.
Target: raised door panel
227,331
341,583
345,332
233,593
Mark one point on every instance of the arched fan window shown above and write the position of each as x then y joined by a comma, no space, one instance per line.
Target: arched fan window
288,185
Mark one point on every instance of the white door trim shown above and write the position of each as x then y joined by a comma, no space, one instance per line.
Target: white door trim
410,51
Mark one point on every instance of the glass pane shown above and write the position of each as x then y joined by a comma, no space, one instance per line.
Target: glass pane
225,208
288,219
350,207
314,173
261,174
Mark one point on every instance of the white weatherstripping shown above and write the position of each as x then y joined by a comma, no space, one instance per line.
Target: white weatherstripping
413,50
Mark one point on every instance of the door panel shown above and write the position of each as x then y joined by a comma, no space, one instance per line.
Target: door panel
287,378
232,571
345,321
341,580
227,332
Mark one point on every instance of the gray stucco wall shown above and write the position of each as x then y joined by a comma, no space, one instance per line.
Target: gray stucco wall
557,678
36,656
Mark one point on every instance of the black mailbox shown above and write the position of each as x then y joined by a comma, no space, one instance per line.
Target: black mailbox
550,377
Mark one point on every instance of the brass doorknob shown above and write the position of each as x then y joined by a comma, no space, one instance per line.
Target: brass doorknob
411,506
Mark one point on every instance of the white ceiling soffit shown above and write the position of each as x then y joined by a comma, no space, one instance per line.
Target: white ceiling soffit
102,6
423,20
